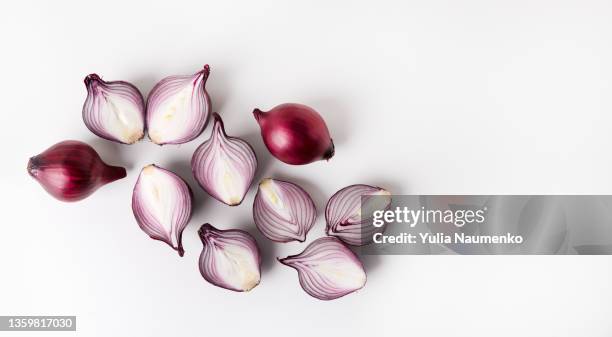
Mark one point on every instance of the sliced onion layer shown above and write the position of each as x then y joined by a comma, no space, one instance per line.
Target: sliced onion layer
114,110
178,108
230,258
161,203
224,166
283,211
327,269
343,213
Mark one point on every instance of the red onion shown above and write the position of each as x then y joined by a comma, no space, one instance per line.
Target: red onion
161,203
295,134
178,108
327,269
224,166
230,258
114,110
348,213
72,170
283,211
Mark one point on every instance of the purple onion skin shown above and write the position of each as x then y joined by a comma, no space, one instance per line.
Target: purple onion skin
325,248
295,134
72,170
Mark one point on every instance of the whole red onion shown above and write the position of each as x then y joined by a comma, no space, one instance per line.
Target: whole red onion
295,134
72,170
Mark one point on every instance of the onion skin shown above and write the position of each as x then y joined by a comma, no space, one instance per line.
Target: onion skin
235,252
295,134
72,170
327,269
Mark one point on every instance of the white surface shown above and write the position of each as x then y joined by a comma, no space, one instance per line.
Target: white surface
499,97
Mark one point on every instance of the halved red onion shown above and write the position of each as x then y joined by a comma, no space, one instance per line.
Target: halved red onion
114,110
161,203
343,213
327,269
224,166
283,211
230,258
178,108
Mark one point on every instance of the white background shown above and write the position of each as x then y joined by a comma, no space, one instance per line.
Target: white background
474,97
